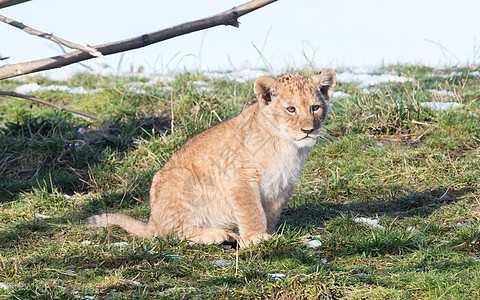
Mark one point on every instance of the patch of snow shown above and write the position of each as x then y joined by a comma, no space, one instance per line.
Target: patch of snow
361,274
367,80
238,76
455,74
452,74
220,262
371,222
41,216
324,260
371,91
140,91
135,283
462,225
136,90
28,88
276,276
119,244
76,145
136,83
411,229
76,295
444,242
76,196
441,105
87,242
205,89
76,90
66,73
379,144
4,286
176,257
199,83
165,89
313,243
442,93
35,87
80,116
340,94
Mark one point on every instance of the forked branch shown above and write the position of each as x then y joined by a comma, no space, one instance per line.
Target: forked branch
49,36
229,17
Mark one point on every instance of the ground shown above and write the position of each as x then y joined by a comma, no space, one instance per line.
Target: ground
387,206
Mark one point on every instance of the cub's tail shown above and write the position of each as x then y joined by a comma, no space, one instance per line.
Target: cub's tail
133,226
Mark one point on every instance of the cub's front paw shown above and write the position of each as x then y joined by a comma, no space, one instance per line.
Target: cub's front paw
250,240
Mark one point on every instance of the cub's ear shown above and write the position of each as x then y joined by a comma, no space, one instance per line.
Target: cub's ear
326,81
265,89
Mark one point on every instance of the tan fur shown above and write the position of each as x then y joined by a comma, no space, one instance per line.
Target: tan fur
238,175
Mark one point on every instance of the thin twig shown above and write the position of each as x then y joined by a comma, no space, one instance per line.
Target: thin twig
236,260
51,37
229,17
58,106
444,194
443,49
264,59
420,123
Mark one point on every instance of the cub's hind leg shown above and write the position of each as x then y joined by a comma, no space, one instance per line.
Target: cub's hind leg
210,236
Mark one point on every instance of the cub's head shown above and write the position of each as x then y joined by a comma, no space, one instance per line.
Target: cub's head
295,105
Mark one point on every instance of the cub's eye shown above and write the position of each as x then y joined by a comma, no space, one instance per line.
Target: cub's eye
314,108
291,110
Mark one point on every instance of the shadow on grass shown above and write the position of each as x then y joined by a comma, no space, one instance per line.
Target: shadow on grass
26,227
56,150
417,204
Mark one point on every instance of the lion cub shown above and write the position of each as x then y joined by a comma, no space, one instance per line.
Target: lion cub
238,175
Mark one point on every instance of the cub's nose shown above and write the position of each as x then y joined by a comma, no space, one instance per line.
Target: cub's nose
307,130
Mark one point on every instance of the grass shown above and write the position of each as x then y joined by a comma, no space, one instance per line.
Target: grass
388,158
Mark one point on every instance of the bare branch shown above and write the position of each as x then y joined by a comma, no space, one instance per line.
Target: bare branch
49,36
228,17
58,106
7,3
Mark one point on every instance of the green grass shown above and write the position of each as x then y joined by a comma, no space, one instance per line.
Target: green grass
414,169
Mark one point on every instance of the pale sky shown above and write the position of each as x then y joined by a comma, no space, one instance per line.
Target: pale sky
288,33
